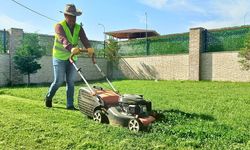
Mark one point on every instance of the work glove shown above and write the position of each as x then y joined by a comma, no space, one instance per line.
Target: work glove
75,51
90,51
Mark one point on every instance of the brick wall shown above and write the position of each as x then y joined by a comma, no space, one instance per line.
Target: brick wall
4,69
15,38
215,66
195,49
223,66
168,67
45,74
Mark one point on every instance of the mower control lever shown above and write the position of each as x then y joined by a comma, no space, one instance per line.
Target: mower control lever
81,50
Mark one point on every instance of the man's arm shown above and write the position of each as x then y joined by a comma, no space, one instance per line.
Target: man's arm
84,39
87,45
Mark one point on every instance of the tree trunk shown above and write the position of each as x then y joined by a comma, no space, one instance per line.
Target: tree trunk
110,70
28,83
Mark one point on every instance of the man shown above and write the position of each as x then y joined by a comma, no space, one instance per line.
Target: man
67,36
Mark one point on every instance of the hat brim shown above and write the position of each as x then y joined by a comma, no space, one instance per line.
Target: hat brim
77,13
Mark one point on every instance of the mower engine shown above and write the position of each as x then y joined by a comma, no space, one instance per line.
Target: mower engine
135,105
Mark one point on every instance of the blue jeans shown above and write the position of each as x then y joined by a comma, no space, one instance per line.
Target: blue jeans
62,68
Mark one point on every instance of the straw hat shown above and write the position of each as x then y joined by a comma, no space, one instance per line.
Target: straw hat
70,9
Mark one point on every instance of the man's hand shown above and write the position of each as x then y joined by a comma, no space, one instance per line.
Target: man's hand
90,52
75,51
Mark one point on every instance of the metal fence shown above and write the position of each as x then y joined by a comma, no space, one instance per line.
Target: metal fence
228,39
4,39
160,45
225,39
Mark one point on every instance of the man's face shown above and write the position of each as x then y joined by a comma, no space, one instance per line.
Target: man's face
71,20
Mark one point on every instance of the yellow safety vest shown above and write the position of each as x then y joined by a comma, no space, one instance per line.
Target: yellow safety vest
59,51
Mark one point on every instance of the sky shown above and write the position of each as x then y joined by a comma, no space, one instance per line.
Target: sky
163,16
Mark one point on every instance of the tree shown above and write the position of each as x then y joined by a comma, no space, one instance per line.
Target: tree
111,53
244,54
27,54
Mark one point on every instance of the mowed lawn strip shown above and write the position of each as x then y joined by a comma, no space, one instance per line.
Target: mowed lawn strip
203,115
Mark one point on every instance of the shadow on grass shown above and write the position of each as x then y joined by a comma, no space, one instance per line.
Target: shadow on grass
59,107
173,114
2,92
199,128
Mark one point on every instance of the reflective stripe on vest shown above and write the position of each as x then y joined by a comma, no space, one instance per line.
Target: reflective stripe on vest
59,51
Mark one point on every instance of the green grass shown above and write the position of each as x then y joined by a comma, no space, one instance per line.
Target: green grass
196,115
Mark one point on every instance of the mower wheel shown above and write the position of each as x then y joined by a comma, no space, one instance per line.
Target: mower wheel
134,125
100,117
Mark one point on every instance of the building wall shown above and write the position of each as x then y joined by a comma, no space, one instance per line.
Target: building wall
168,67
4,69
223,66
215,66
89,71
45,74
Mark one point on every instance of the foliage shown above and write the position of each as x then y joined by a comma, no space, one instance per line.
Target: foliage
27,54
98,46
159,45
47,42
231,39
244,54
111,50
195,115
169,44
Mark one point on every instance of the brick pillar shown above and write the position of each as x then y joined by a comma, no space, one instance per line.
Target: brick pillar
196,44
15,37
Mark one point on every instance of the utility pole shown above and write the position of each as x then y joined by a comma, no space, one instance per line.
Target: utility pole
103,34
245,18
147,50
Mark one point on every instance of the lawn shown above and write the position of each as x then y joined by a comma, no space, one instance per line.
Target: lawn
197,115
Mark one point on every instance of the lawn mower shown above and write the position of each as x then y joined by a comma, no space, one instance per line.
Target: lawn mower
108,106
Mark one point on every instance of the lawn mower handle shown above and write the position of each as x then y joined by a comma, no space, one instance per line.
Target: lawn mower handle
79,72
103,74
98,68
72,55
